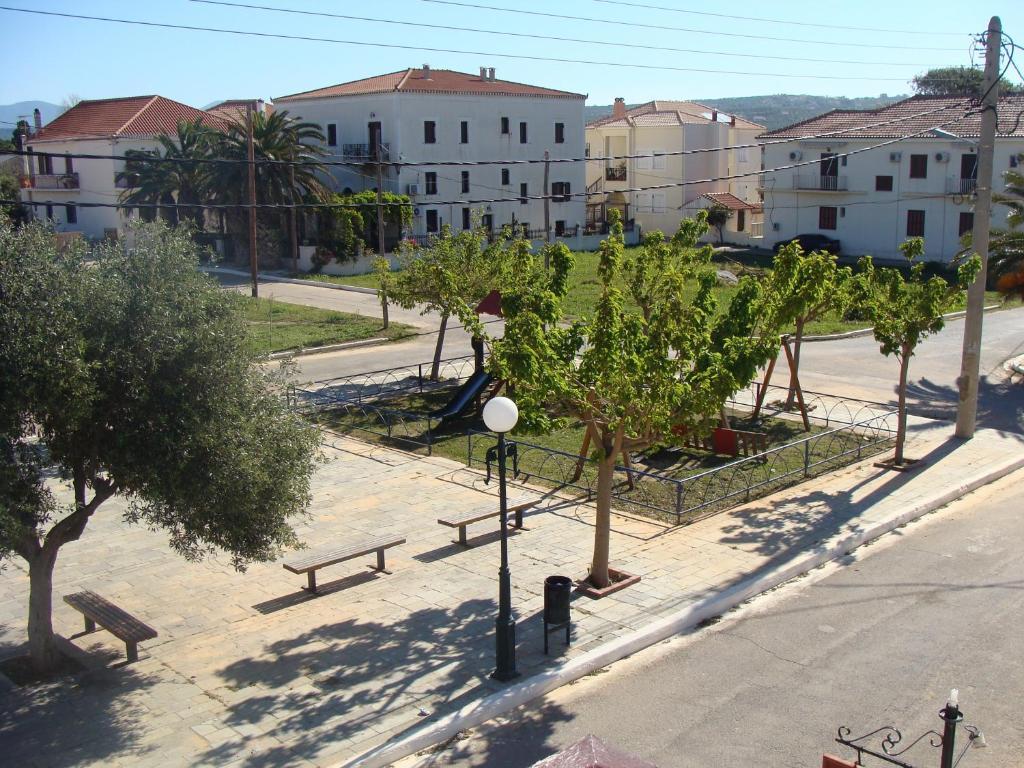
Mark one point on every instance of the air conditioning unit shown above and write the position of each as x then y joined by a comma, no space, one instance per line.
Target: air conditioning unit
942,157
895,157
412,189
796,154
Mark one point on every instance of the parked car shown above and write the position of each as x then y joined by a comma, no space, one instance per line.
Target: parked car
811,242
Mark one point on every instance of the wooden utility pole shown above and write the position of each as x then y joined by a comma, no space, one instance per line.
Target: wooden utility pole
547,205
970,361
251,154
379,157
292,222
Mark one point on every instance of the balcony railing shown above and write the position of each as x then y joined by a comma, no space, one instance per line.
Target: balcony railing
615,174
54,181
364,152
820,183
956,186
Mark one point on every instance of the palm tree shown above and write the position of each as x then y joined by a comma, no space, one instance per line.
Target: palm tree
169,183
1006,249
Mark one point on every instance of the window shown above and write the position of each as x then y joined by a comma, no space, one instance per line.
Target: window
506,177
658,202
883,183
741,155
559,133
69,165
429,132
432,223
523,193
915,223
642,202
827,217
504,126
465,182
561,192
966,223
332,135
644,162
741,220
49,212
919,166
464,132
71,214
430,183
465,218
522,133
560,228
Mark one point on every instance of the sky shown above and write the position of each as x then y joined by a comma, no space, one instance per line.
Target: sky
50,58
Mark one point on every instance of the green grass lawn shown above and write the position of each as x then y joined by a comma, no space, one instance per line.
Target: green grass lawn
276,326
585,286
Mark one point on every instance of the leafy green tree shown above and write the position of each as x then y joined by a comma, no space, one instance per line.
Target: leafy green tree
905,311
128,373
630,377
956,81
187,183
1006,247
10,190
718,215
346,230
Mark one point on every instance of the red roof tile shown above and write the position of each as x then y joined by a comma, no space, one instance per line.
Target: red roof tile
129,116
909,117
437,81
730,201
234,109
662,112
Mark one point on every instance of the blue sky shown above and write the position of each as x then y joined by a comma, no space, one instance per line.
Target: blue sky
49,58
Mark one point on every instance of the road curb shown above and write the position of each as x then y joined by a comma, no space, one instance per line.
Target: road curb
293,280
869,331
302,352
515,695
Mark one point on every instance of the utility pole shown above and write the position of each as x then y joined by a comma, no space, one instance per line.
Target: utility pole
292,222
547,205
251,154
379,156
970,363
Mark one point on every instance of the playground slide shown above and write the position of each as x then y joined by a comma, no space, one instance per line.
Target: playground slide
464,397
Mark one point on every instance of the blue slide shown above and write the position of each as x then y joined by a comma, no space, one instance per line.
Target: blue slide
464,397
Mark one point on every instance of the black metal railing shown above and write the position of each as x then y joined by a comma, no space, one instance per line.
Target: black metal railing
365,152
615,173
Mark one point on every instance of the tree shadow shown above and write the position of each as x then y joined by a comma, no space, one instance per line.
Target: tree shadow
1000,403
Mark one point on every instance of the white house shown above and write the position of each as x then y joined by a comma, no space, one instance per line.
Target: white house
430,115
874,200
660,126
54,182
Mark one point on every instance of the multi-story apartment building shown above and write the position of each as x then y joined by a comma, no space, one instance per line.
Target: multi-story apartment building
427,115
874,200
693,180
55,182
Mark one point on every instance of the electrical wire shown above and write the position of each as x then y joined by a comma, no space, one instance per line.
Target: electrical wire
553,38
397,46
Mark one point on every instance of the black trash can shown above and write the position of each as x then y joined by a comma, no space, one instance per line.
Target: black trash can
557,590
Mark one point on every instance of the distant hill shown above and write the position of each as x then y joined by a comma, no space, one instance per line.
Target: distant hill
11,113
777,110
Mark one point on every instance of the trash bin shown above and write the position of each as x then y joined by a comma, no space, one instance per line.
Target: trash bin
557,590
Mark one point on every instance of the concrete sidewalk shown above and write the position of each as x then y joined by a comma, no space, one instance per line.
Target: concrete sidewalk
248,670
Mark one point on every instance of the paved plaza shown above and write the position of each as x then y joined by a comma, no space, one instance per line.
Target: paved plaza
250,670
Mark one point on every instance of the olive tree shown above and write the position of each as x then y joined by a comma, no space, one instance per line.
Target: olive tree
125,371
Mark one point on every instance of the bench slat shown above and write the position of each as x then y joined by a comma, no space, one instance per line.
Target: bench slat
484,511
325,557
115,620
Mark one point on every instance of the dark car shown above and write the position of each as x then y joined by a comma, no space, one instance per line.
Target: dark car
811,243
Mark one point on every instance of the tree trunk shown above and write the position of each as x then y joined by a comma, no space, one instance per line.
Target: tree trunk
435,369
794,371
41,642
602,525
901,428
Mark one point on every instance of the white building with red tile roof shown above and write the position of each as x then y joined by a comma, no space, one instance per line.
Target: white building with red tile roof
873,200
626,147
56,182
436,115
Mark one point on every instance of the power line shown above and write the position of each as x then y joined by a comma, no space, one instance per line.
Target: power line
663,27
492,54
733,17
506,33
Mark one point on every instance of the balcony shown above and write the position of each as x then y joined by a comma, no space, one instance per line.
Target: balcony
956,186
364,152
52,181
615,173
820,183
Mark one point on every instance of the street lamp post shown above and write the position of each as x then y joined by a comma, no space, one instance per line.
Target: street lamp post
500,416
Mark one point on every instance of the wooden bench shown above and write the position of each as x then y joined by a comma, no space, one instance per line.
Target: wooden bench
492,509
117,622
314,561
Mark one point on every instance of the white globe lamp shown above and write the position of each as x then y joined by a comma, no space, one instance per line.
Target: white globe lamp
500,414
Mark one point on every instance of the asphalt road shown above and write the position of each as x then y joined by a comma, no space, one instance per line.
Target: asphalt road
876,641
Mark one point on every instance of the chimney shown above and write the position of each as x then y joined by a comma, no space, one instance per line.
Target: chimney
490,74
37,118
732,120
483,73
426,72
619,108
714,115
